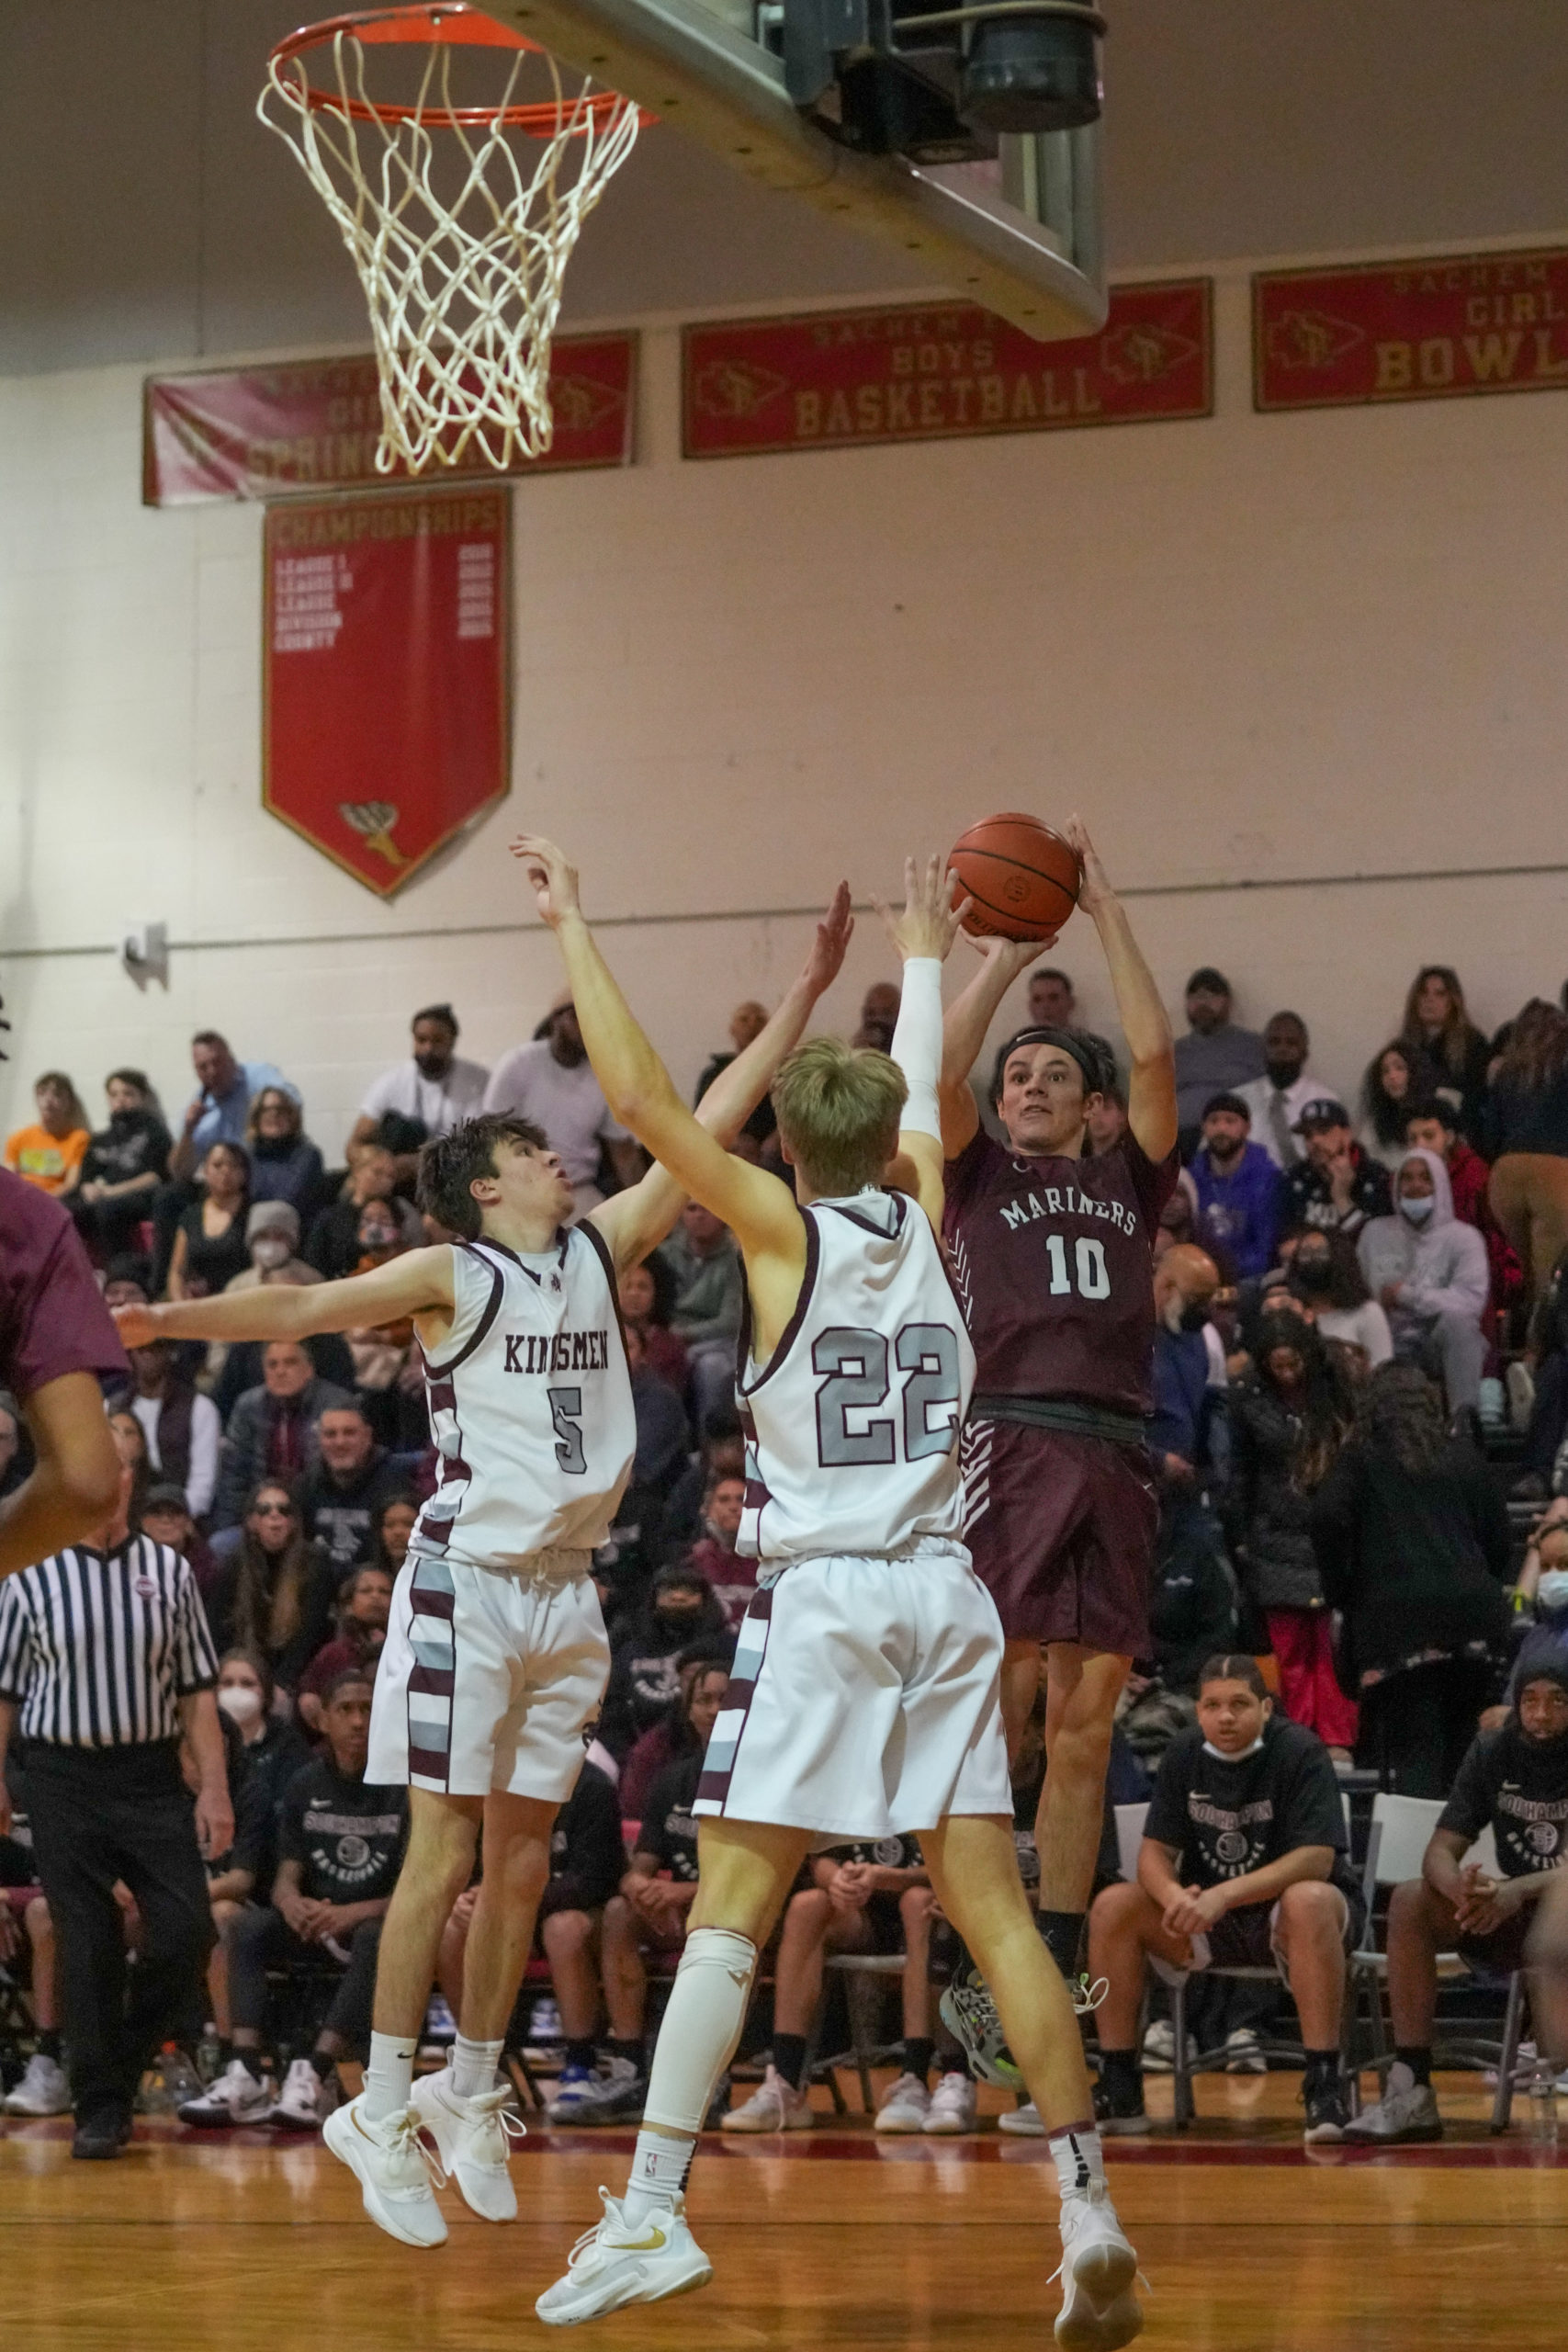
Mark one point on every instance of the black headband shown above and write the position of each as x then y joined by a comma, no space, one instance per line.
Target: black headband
1095,1080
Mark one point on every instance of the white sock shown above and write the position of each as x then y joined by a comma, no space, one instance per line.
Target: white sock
474,2066
1080,2159
389,2078
659,2173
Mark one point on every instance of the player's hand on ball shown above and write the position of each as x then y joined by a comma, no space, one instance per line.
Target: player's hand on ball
137,1326
1095,890
1010,956
554,880
834,933
929,924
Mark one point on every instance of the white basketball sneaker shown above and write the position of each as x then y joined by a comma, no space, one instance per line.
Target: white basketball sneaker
953,2106
395,2168
1100,2311
43,2089
620,2262
904,2105
774,2106
472,2135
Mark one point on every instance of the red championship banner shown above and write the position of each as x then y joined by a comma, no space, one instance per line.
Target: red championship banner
1410,330
385,731
939,371
312,425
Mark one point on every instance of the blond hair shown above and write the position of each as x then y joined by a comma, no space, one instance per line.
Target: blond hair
838,1110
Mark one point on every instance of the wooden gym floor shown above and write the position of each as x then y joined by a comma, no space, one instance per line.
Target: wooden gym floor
832,2241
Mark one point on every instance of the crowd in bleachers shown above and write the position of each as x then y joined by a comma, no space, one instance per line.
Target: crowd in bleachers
1358,1430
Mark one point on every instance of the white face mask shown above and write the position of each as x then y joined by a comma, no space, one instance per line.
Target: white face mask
1417,1212
270,1250
1552,1592
240,1700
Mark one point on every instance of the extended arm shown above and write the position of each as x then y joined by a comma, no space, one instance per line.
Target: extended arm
1151,1092
964,1027
635,1221
923,934
74,1484
419,1283
637,1086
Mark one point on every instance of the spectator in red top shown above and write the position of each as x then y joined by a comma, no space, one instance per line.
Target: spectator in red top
645,1293
733,1579
362,1631
1434,1127
56,1339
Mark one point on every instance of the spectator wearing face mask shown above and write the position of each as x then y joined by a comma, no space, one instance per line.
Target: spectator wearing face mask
1326,1275
274,1750
332,1245
1277,1100
1430,1274
122,1168
271,1239
434,1090
643,1672
1238,1188
1433,1125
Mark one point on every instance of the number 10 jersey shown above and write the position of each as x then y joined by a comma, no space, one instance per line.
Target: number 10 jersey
852,1428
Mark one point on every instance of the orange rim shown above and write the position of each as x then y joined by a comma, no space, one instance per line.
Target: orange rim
450,24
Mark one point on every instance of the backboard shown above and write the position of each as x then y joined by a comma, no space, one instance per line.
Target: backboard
1021,235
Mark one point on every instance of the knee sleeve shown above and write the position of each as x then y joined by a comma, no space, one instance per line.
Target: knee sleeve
701,2027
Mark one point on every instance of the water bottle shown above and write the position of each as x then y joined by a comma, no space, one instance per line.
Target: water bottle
208,2054
1543,2107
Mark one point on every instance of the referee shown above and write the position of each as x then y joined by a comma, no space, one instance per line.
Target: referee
105,1662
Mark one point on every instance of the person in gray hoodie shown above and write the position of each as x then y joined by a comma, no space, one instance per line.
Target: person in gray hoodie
1430,1272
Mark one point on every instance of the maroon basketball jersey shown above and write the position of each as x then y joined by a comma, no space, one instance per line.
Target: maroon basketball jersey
1054,1261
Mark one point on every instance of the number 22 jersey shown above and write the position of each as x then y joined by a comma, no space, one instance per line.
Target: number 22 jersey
851,1427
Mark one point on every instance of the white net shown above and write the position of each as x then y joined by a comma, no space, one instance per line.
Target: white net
461,220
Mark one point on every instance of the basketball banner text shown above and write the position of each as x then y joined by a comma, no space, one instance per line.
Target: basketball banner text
312,424
1410,331
385,731
940,372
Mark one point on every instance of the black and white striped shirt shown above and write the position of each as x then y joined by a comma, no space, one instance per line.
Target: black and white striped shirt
97,1650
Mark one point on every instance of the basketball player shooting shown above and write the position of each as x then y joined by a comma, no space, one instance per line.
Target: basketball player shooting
866,1696
1053,1254
495,1657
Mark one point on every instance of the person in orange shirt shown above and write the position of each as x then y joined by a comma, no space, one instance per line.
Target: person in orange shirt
49,1154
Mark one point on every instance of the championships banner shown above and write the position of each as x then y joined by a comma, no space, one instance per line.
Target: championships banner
1410,330
938,371
312,424
384,728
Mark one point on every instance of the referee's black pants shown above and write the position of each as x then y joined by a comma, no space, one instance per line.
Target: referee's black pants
99,1814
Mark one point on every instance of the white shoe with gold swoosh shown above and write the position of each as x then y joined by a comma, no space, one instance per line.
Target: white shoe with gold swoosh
396,2168
619,2262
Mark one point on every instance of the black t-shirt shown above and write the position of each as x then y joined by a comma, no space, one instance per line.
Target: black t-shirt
669,1828
1520,1787
587,1857
135,1143
1227,1817
886,1853
347,1836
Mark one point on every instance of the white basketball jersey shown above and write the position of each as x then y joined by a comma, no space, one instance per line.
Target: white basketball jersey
851,1430
530,1406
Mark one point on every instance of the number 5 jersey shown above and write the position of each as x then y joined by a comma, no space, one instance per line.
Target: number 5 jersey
851,1427
530,1404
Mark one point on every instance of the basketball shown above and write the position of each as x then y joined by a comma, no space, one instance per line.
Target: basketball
1023,879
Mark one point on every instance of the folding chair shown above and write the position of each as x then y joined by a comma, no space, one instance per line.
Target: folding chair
865,1974
1402,1829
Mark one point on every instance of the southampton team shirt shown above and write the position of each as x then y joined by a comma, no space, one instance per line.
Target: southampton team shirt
1520,1786
1227,1817
346,1834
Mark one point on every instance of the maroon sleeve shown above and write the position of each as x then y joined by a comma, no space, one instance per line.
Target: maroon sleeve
52,1320
1154,1180
964,1174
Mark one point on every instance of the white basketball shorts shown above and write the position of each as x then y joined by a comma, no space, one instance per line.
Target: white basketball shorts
864,1699
487,1678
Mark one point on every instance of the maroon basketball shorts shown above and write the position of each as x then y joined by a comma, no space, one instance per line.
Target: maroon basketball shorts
1062,1531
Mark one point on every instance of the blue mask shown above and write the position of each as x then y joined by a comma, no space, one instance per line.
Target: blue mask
1417,1212
1552,1592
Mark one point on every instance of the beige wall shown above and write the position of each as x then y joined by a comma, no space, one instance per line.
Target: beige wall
1255,650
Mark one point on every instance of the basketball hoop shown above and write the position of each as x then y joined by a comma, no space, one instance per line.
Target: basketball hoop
464,287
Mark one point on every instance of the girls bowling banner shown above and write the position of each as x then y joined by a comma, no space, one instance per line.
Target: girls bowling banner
940,371
314,425
385,724
1410,330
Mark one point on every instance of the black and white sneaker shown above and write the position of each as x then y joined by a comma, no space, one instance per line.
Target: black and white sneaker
1118,2106
1327,2115
970,2016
